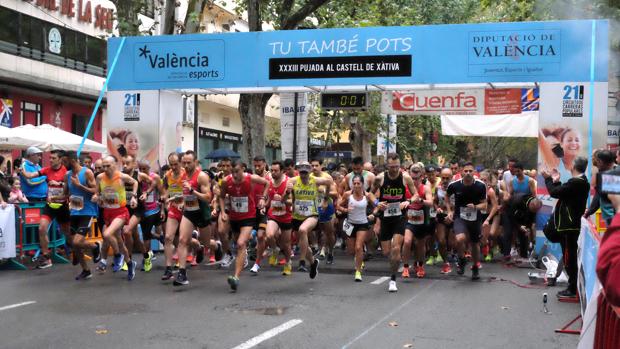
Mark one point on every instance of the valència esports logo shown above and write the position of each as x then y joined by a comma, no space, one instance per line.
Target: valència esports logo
162,61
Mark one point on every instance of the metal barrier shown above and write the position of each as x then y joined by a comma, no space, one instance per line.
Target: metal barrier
27,219
607,333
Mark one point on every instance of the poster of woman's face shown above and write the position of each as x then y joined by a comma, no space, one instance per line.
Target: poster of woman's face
564,125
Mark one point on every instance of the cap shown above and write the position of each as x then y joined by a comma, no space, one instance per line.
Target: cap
33,150
304,166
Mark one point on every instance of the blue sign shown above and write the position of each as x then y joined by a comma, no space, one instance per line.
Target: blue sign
463,53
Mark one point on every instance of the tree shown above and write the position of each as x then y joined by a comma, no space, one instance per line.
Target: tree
284,15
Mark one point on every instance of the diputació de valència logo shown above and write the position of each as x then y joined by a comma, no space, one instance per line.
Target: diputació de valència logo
180,60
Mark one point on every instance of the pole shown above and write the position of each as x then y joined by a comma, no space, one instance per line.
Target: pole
103,90
591,106
295,129
196,135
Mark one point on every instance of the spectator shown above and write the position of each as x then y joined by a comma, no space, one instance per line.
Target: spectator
5,187
608,265
16,196
604,162
572,197
35,189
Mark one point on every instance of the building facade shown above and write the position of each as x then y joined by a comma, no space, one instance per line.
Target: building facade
53,61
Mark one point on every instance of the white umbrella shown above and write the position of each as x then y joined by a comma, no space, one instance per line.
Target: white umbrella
13,138
47,137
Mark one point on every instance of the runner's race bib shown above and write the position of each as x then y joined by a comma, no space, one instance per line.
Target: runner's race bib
239,204
191,202
469,214
55,194
150,198
415,216
304,207
110,198
393,209
278,208
347,227
76,202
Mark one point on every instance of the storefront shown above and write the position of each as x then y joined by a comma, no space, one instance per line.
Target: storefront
53,61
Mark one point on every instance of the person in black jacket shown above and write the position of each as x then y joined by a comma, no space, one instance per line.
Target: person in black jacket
572,197
520,211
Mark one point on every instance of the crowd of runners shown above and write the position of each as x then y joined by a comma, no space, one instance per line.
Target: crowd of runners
423,218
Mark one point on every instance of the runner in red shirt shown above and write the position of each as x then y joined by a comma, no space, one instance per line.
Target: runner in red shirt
57,207
279,223
242,214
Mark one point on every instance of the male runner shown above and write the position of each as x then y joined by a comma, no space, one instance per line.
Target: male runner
444,223
279,223
392,202
417,222
223,227
327,195
242,215
152,195
470,197
305,213
80,185
261,217
173,187
112,197
196,214
56,208
357,166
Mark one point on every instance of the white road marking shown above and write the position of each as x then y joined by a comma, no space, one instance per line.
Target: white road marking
387,316
7,307
252,342
380,280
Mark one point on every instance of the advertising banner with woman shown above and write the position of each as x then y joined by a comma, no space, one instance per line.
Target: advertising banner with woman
132,125
564,125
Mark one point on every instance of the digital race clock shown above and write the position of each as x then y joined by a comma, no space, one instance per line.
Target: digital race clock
338,101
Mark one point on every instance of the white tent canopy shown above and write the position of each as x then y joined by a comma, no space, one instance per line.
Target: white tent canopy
45,137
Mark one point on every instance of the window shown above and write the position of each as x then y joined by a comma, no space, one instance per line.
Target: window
78,126
225,121
96,51
9,26
225,27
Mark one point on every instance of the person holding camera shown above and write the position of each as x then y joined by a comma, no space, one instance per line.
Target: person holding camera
566,218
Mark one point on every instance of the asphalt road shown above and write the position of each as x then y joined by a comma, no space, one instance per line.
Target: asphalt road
295,312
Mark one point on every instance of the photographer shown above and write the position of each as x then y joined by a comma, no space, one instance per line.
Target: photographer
572,197
604,162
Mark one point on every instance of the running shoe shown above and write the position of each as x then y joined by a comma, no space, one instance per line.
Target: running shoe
405,273
446,268
227,260
84,275
488,258
200,254
475,274
430,260
189,258
358,276
330,258
102,266
314,268
118,263
420,273
233,282
438,259
211,259
287,270
485,250
302,267
147,264
193,263
181,280
255,269
125,267
167,274
392,286
44,262
273,258
131,272
477,265
96,252
246,262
